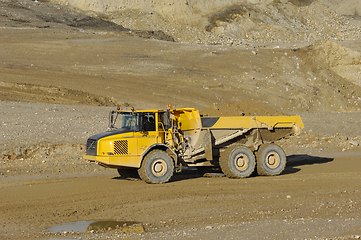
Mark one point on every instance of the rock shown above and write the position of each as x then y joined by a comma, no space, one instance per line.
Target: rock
353,143
217,30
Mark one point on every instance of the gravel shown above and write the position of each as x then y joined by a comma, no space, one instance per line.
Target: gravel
40,140
33,123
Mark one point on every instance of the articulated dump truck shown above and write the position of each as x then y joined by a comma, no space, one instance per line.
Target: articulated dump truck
153,143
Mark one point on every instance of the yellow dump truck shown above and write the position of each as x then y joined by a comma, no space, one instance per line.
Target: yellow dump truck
152,143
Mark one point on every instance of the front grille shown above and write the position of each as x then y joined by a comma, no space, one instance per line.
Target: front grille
121,147
91,147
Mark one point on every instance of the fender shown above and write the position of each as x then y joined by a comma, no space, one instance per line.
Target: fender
161,145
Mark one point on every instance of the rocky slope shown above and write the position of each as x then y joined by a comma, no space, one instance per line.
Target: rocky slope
233,22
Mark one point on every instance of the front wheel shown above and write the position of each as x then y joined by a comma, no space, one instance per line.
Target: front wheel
157,167
271,160
237,162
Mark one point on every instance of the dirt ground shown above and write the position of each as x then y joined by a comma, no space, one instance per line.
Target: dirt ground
64,67
317,199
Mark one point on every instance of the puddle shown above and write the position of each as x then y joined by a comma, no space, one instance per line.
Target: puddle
80,226
130,227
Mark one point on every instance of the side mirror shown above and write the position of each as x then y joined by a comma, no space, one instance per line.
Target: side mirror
112,118
167,120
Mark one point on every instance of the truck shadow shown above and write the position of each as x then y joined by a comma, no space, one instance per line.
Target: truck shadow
302,159
293,161
186,173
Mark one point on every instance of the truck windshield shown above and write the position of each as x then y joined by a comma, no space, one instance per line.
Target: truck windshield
130,121
135,122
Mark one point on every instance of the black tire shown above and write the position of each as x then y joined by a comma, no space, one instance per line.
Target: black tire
237,162
128,173
157,167
271,160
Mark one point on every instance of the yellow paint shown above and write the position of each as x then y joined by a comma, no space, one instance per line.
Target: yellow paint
187,118
126,161
258,122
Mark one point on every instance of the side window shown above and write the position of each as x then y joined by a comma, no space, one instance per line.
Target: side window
160,121
149,122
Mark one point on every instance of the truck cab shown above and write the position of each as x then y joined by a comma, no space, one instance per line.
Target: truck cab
132,134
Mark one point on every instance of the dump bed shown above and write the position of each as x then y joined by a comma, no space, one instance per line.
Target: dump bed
269,122
250,131
218,132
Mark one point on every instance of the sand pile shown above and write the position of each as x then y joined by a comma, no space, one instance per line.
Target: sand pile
342,60
333,54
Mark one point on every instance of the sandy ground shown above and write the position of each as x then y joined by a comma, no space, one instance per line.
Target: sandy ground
62,71
317,200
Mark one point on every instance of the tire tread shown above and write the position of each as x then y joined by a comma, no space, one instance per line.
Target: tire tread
224,163
260,170
142,170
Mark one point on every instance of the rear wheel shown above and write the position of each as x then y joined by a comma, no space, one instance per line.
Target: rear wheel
271,160
237,162
157,167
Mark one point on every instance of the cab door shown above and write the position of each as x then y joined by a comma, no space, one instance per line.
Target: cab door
148,133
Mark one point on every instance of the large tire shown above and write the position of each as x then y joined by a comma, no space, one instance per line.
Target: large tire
237,162
157,167
128,173
271,160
